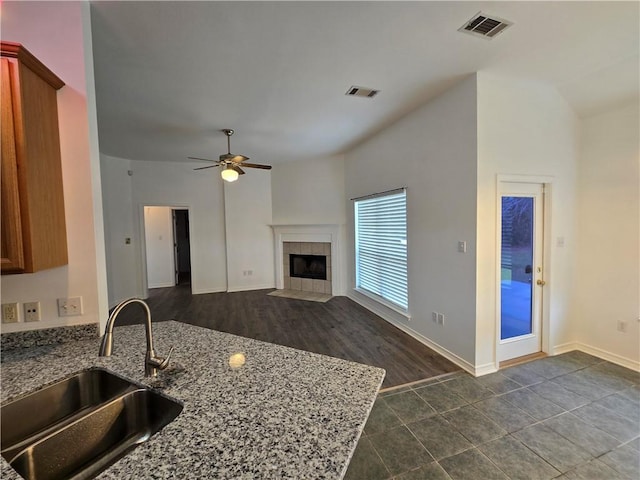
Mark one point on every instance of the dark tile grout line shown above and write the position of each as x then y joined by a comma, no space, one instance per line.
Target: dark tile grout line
538,422
405,387
443,379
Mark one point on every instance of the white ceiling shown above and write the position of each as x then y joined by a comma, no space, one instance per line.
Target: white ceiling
170,75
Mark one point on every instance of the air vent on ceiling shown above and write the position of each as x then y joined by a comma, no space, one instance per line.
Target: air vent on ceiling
361,92
485,26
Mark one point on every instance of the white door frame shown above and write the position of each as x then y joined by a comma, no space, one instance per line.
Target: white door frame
142,273
547,182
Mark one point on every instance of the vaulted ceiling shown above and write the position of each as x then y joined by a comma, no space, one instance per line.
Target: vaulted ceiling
170,75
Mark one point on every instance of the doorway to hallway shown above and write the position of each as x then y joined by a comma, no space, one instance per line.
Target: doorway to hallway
167,246
182,249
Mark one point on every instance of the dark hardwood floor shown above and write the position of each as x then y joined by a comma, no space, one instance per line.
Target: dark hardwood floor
339,328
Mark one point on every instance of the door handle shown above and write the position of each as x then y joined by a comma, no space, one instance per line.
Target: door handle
541,282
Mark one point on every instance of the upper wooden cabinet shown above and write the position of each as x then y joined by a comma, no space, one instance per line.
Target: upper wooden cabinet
33,225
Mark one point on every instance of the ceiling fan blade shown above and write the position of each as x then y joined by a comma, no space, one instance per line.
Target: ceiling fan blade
230,157
229,160
203,159
257,165
208,166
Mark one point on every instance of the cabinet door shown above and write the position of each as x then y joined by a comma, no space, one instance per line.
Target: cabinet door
12,250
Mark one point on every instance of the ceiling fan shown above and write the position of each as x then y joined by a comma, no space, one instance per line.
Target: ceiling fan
229,162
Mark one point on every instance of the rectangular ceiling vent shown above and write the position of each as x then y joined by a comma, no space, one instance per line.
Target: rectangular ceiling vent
361,92
485,26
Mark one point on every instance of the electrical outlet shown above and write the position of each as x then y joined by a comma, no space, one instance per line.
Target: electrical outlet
69,307
32,312
440,318
622,326
9,312
434,317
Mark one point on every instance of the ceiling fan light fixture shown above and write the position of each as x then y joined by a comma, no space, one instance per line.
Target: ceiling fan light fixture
229,162
229,174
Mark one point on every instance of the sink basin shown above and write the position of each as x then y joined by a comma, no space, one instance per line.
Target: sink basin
79,426
37,412
101,436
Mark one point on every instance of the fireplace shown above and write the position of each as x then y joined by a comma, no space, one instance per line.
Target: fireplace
308,266
308,239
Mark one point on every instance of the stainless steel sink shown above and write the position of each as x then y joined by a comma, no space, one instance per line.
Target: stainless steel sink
46,408
79,426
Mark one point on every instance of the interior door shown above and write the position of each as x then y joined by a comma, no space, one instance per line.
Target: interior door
176,249
520,292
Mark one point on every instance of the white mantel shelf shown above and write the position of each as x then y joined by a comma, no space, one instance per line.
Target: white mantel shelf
329,233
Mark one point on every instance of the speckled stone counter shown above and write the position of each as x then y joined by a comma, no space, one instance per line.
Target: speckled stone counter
284,414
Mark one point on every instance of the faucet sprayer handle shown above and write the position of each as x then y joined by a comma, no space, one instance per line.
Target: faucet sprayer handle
159,362
165,363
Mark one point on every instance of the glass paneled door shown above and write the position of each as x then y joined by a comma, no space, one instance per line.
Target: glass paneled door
521,280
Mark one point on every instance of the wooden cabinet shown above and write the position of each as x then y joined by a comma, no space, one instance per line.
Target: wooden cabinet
33,224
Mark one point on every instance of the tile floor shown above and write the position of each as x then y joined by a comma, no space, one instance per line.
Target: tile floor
572,416
302,295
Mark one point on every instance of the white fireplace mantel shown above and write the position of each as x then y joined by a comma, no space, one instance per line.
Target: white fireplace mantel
329,233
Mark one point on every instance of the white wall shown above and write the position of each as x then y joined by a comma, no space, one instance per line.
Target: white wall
525,128
122,260
608,238
58,34
158,234
249,238
245,206
433,153
310,192
178,185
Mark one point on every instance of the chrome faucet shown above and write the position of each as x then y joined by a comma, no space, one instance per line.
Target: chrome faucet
151,363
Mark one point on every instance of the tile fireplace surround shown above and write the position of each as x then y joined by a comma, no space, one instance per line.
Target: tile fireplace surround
306,284
312,238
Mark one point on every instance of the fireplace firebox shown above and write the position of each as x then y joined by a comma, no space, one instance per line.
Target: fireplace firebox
308,266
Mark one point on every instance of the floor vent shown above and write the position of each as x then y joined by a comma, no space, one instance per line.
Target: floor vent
482,25
354,91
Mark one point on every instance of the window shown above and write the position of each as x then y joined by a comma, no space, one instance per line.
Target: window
381,247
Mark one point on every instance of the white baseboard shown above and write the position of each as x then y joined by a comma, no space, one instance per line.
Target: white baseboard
162,285
379,309
609,356
202,291
485,369
564,348
597,352
459,361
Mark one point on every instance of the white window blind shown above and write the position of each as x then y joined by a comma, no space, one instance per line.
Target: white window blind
381,246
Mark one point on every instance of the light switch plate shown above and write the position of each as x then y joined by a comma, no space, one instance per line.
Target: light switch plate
69,307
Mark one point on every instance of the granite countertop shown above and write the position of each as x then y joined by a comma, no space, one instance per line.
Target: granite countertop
285,413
